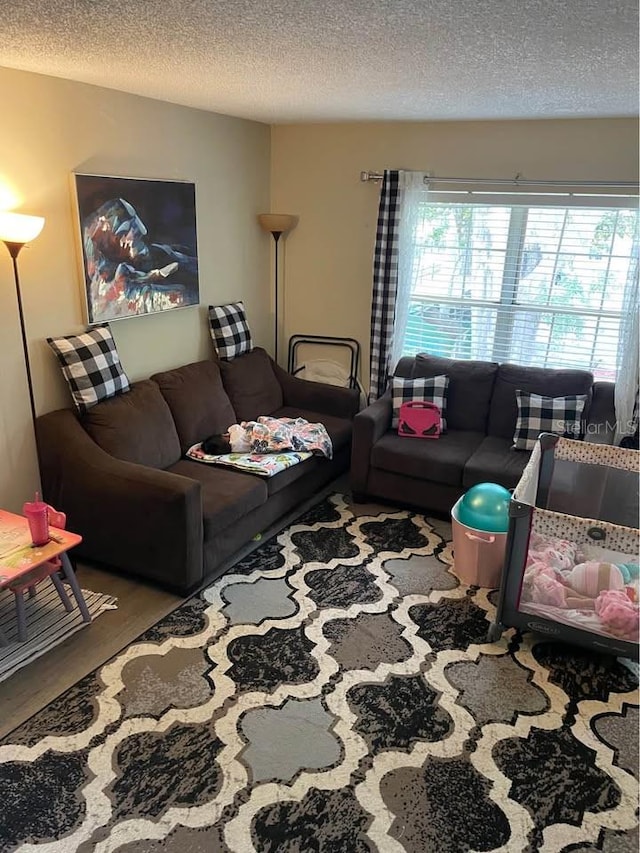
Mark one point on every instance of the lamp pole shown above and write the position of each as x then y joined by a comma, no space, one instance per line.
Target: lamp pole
277,224
17,229
276,238
14,250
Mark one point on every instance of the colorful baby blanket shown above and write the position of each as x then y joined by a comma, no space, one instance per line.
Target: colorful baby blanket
279,435
263,464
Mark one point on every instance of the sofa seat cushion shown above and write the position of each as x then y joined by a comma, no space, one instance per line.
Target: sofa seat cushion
284,479
440,460
503,412
226,495
339,429
495,462
251,384
135,427
198,402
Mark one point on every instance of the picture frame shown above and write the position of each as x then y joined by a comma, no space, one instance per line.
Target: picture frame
139,247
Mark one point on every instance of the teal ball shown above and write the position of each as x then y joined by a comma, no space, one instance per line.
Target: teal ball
485,507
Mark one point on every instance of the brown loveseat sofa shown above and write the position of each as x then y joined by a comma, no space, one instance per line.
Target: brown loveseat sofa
481,418
120,474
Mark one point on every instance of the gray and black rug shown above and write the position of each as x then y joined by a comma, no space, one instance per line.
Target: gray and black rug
334,693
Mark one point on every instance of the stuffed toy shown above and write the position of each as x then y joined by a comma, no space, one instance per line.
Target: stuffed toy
618,613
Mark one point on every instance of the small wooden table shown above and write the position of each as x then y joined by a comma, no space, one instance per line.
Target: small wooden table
23,564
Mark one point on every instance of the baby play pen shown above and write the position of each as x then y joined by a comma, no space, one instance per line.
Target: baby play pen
571,562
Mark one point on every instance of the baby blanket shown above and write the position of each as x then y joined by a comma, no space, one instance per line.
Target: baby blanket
280,435
264,464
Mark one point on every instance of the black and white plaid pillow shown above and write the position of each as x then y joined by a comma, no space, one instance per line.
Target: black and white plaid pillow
229,330
432,390
536,414
91,366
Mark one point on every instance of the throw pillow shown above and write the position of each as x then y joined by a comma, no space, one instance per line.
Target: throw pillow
229,330
91,365
537,414
432,390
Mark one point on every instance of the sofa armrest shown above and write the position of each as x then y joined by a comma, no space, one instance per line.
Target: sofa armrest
369,426
132,517
601,420
318,396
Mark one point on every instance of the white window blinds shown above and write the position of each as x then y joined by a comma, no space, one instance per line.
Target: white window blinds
534,283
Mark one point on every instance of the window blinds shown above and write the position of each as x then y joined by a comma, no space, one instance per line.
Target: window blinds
538,283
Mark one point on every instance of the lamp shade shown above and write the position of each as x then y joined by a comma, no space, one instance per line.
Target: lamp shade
278,222
18,227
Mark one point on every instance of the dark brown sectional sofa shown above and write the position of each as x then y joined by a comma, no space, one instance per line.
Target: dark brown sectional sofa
120,474
477,447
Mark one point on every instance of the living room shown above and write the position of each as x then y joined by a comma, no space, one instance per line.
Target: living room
240,168
310,166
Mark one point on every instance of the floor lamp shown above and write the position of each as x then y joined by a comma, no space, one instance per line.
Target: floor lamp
277,224
16,229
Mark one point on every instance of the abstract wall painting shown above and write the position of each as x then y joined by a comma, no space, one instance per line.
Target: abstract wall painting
139,245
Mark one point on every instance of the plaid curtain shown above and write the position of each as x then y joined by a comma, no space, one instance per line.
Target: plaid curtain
385,284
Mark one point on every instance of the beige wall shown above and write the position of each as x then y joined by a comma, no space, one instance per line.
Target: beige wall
316,174
53,127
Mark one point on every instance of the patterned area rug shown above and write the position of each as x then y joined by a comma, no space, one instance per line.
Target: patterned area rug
334,693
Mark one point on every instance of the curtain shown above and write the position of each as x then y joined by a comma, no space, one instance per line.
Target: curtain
385,284
394,271
413,193
626,390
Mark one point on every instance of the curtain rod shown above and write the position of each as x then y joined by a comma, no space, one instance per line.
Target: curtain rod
516,181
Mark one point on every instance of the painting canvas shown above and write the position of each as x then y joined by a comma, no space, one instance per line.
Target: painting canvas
139,245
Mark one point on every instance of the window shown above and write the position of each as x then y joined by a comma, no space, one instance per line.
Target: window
532,283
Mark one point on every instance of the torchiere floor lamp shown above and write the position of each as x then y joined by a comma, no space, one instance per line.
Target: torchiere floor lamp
16,229
277,224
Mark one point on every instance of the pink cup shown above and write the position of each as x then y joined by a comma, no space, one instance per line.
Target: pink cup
37,515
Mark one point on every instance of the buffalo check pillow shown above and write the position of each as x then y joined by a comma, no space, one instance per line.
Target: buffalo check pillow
431,390
91,366
229,330
536,414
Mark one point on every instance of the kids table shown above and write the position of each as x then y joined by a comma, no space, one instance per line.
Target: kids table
23,565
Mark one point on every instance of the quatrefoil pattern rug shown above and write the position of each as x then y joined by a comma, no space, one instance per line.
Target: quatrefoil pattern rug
334,692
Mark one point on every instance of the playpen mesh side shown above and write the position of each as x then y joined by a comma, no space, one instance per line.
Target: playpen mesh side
558,525
586,452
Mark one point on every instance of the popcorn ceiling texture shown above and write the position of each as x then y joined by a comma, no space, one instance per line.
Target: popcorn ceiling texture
341,60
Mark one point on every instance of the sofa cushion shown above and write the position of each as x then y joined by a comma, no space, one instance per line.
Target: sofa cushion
536,414
429,390
503,411
229,330
198,402
469,392
495,461
440,460
91,366
227,495
136,427
251,384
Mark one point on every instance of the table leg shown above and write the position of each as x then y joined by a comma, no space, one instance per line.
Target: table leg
20,614
75,587
62,592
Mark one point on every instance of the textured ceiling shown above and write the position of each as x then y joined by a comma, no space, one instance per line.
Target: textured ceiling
338,60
